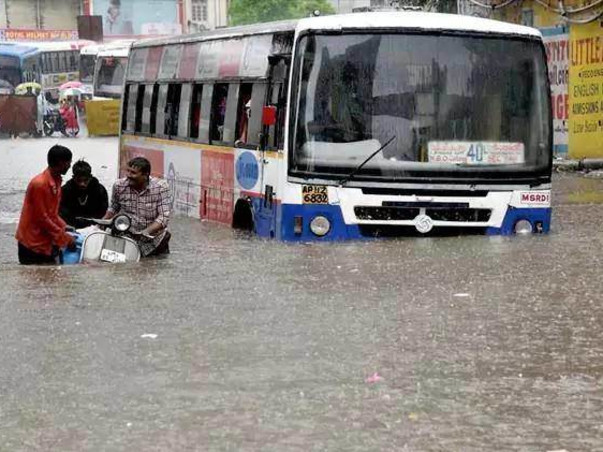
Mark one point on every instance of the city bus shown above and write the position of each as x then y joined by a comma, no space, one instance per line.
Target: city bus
88,55
110,69
348,126
59,63
19,63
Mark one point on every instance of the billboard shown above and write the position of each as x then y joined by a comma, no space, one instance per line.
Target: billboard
138,17
556,42
586,90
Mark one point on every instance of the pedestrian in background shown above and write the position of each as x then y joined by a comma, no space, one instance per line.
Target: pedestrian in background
41,232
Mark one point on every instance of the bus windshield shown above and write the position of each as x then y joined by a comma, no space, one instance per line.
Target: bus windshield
110,76
9,70
470,106
87,68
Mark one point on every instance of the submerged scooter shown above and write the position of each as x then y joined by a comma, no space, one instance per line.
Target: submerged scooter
111,245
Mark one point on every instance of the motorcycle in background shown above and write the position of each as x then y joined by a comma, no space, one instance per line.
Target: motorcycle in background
53,122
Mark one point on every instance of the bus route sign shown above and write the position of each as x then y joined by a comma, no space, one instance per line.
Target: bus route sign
475,153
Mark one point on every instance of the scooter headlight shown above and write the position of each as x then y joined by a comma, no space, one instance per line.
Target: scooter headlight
320,226
523,227
122,223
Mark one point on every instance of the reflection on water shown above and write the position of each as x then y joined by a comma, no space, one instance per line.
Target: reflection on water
483,343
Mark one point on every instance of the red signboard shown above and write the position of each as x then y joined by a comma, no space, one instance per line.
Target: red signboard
217,183
23,34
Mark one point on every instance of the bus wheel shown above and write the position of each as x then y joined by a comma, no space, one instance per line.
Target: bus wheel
242,217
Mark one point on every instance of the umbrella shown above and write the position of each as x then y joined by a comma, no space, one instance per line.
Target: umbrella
73,84
22,88
6,87
75,92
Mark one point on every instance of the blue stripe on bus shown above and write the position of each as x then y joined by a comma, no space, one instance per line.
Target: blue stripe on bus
533,215
279,221
339,230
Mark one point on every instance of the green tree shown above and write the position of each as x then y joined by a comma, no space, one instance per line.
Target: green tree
243,12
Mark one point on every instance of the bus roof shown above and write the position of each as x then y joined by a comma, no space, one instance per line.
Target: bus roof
378,20
118,47
115,52
421,21
16,49
230,32
54,46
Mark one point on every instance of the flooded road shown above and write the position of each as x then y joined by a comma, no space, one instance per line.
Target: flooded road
235,343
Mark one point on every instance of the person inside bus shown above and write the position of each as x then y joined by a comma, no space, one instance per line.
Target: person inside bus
41,232
243,122
83,196
146,200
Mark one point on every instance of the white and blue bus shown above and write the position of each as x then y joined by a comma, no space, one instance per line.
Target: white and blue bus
19,63
349,126
48,63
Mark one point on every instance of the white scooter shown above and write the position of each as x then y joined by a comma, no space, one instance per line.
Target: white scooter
110,245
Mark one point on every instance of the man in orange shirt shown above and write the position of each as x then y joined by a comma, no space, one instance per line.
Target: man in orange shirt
41,232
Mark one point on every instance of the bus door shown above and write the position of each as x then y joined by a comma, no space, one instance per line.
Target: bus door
271,143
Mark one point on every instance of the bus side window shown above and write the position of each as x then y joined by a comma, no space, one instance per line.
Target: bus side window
160,115
172,108
183,114
139,106
258,99
131,112
275,132
124,108
195,111
230,119
243,109
218,112
62,61
206,109
146,109
154,100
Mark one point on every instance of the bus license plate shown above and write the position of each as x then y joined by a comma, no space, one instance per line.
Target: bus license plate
112,256
315,194
475,152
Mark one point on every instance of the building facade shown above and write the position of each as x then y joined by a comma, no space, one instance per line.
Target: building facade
40,14
205,14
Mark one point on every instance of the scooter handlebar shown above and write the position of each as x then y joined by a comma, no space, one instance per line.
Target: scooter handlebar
98,221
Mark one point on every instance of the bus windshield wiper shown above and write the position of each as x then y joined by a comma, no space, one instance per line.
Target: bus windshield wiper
368,159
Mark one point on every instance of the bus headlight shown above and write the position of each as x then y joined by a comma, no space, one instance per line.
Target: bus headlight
320,226
523,227
122,223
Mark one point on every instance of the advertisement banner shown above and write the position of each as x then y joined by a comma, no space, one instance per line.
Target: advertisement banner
556,42
102,117
217,182
585,94
138,17
21,34
183,173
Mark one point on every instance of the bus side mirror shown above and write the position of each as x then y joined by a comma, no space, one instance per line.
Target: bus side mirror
269,115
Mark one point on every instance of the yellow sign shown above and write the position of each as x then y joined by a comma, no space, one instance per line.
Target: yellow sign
586,91
102,116
315,194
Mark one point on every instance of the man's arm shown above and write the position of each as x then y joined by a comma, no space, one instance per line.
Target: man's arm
115,204
163,211
103,202
47,218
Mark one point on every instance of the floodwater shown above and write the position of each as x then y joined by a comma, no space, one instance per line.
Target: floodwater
236,343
